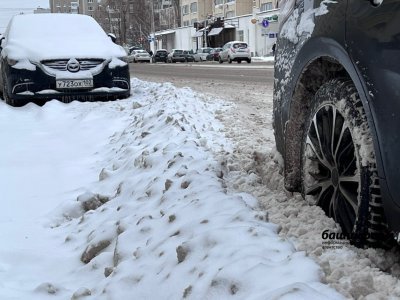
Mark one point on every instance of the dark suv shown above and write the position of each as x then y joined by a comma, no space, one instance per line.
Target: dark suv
336,106
161,55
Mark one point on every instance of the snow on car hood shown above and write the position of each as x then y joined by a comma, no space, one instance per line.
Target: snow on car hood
54,36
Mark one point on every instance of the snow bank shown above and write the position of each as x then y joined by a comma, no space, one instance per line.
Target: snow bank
149,216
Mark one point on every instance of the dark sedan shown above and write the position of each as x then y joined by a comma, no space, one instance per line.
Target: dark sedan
214,54
32,68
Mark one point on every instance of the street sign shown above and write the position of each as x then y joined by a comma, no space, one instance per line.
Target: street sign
265,23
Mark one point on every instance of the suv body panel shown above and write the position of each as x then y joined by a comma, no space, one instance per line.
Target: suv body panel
364,40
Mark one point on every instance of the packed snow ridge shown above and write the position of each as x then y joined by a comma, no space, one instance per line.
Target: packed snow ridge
142,210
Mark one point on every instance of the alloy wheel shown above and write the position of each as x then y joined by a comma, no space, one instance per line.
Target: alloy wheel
332,178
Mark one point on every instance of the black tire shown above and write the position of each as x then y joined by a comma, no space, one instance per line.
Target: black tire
220,60
229,60
338,165
249,61
239,61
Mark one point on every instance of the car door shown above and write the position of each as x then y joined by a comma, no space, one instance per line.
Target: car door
373,39
224,52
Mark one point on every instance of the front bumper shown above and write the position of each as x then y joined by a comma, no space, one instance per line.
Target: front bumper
143,59
37,86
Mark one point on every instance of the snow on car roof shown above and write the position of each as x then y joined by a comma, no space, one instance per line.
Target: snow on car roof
46,36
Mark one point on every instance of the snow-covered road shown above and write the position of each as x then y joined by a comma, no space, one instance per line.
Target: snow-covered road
168,194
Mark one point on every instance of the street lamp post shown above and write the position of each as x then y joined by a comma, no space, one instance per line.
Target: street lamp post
152,29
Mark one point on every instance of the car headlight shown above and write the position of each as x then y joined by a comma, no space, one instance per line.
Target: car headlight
124,59
11,62
286,10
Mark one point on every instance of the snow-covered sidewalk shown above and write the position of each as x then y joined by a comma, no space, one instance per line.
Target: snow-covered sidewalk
126,200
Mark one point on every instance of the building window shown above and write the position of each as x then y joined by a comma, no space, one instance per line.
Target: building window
185,23
131,9
185,9
193,21
240,35
227,1
218,2
193,7
266,6
230,14
90,8
89,1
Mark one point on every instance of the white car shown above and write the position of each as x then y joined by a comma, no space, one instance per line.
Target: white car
235,51
139,55
201,54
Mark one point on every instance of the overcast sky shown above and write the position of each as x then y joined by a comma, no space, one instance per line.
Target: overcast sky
9,8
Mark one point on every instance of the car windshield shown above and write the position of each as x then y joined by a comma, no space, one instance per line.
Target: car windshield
208,50
178,51
141,51
55,26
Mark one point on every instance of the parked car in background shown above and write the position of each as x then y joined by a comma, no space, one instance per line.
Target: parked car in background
139,56
132,48
336,112
201,54
189,55
176,55
214,54
235,51
160,56
49,56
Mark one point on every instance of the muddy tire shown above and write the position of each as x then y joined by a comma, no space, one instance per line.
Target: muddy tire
338,165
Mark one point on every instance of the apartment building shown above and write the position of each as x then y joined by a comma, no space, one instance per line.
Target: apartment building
193,11
64,6
232,8
267,5
221,21
86,7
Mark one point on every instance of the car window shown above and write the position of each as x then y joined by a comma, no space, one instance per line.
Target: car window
178,51
239,45
208,50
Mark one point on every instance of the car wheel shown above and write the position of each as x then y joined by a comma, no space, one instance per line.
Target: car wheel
229,60
239,61
338,164
220,60
135,61
249,61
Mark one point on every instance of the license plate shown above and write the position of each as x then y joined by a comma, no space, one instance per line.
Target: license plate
74,83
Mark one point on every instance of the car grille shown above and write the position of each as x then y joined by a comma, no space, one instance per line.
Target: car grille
61,65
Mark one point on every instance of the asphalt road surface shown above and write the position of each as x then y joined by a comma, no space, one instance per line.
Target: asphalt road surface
254,73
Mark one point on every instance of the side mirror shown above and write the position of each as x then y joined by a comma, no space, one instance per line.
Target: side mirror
112,37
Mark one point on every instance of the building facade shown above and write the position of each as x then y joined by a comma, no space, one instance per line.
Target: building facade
254,22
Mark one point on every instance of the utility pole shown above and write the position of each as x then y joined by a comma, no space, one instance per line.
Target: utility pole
152,29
